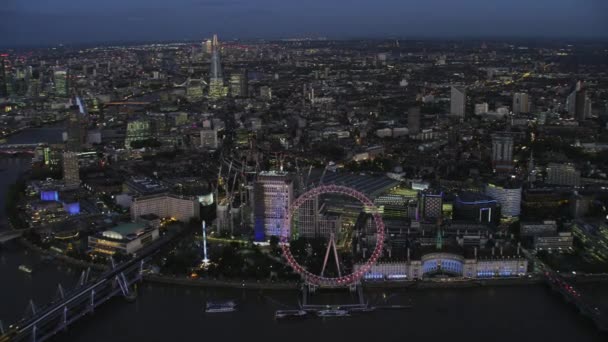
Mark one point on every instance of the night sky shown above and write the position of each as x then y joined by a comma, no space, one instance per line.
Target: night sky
33,22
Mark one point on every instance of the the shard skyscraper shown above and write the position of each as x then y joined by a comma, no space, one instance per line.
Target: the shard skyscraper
216,77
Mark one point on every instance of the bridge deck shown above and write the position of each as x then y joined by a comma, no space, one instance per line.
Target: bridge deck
77,303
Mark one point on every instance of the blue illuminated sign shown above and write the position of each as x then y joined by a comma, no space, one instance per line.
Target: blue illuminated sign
49,195
72,208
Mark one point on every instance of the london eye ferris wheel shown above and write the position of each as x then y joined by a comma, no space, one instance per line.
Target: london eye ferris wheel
318,278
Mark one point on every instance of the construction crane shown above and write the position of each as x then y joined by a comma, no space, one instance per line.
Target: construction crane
300,178
230,203
323,175
241,193
228,178
219,180
308,176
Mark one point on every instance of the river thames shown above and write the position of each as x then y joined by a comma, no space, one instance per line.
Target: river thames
162,313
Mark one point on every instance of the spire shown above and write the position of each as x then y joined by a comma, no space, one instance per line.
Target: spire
439,239
216,67
216,79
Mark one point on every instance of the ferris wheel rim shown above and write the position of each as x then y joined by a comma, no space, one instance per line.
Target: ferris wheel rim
344,280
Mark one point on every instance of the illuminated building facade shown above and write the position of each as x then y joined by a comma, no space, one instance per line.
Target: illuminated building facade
239,86
137,130
509,198
561,242
474,207
310,222
71,176
502,152
163,205
594,238
563,174
42,213
217,90
273,195
430,206
60,79
194,90
453,265
49,195
126,239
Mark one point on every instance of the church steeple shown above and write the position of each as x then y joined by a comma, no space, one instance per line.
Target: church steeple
531,171
439,239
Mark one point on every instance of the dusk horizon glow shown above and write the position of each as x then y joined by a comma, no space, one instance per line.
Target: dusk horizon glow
38,22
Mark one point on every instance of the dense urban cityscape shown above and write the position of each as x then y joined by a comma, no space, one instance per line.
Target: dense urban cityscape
309,177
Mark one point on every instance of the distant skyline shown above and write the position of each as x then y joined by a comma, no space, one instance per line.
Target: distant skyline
44,22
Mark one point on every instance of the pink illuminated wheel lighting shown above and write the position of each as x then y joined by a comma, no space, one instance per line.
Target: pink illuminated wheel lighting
344,280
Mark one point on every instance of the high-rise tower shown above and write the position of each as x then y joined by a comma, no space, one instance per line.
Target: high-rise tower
502,152
458,101
239,84
521,103
273,193
76,127
3,88
60,78
71,176
413,120
216,77
579,105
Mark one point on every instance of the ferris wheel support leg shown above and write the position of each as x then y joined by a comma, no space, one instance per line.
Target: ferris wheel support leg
333,243
310,288
360,292
304,295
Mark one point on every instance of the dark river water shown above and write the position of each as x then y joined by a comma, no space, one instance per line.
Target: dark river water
168,313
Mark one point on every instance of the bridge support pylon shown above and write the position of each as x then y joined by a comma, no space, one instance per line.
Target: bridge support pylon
92,301
64,318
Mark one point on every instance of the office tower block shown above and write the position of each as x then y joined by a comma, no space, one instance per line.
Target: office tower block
137,130
508,196
60,79
413,120
273,195
430,206
502,152
194,90
209,139
578,104
458,100
563,174
239,84
481,108
311,222
76,129
3,79
266,93
521,103
71,176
